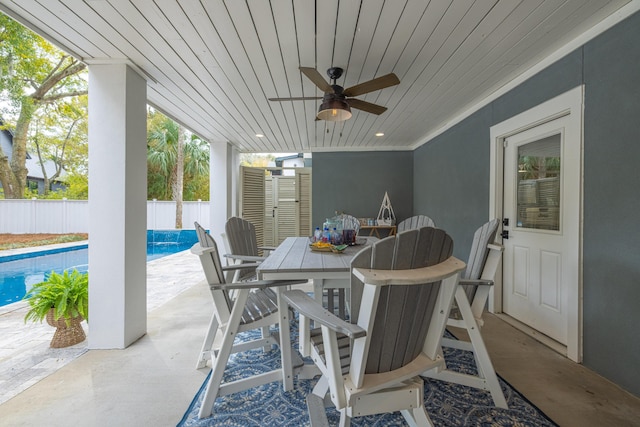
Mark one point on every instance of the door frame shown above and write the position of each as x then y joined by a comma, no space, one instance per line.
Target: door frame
568,104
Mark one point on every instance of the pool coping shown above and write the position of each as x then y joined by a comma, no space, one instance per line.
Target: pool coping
15,254
9,255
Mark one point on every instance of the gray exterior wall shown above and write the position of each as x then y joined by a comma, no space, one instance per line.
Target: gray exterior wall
451,184
355,183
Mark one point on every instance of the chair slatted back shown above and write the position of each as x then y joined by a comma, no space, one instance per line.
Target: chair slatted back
483,236
241,235
403,313
212,266
417,221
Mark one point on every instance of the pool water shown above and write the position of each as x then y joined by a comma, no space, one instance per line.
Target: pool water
19,273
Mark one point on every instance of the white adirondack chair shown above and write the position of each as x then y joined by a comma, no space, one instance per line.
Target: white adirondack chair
254,306
374,366
470,301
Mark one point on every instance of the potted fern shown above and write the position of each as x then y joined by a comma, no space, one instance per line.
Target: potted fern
63,299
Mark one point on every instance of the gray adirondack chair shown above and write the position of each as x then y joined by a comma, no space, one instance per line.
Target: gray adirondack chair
243,248
407,285
254,307
417,221
470,301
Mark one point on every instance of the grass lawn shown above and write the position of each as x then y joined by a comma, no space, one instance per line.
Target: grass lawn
16,241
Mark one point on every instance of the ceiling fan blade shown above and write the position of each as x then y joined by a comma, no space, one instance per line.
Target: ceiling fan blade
296,98
366,106
317,79
372,85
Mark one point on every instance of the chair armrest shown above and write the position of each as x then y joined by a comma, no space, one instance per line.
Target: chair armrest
257,284
495,246
415,276
476,282
310,308
239,266
245,257
196,249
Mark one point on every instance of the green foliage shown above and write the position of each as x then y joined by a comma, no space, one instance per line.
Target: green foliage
68,293
77,187
534,167
256,160
197,188
16,43
34,75
162,143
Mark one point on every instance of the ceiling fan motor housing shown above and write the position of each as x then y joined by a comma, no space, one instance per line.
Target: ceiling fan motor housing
334,73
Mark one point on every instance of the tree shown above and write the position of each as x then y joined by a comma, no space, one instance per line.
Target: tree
34,74
59,136
175,159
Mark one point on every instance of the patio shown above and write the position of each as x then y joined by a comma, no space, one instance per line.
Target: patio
153,381
207,65
25,355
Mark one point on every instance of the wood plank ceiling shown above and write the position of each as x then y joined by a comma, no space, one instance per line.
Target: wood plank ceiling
213,64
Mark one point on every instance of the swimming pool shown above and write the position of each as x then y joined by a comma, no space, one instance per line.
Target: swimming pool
19,272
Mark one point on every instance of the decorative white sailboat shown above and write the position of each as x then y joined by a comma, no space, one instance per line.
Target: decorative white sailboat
386,216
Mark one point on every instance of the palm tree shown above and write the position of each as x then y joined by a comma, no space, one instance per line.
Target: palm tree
172,154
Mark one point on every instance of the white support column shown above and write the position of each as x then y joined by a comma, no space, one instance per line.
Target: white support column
223,186
117,206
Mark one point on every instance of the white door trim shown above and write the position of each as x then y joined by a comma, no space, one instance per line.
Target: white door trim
568,104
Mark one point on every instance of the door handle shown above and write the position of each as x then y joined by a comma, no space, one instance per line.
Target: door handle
504,234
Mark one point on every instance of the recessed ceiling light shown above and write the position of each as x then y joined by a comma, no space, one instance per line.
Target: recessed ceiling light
379,134
259,135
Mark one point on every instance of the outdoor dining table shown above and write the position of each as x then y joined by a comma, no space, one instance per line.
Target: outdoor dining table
294,259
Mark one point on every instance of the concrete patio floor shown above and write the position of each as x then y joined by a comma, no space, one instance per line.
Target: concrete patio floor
153,381
25,355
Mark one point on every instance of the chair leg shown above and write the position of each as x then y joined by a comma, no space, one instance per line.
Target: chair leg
485,368
483,361
266,334
220,363
207,351
317,412
345,420
210,395
417,417
322,387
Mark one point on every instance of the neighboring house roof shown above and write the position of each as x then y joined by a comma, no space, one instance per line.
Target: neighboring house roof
280,161
292,156
32,164
35,171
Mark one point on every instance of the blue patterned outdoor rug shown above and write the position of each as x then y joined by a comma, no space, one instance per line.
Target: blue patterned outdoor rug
447,404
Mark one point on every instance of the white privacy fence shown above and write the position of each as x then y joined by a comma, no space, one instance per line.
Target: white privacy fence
72,216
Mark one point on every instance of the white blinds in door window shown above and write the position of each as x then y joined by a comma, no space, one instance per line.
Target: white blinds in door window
538,198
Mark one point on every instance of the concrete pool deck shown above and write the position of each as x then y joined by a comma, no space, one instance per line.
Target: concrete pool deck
25,355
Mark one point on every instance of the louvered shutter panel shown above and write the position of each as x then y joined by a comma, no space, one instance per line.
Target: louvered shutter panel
303,195
269,234
252,199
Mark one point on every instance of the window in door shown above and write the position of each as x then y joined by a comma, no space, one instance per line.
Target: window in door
538,195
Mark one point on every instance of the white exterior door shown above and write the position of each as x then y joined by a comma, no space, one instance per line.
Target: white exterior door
536,187
541,184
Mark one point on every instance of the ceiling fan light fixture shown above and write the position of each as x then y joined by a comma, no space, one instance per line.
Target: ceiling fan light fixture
334,110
